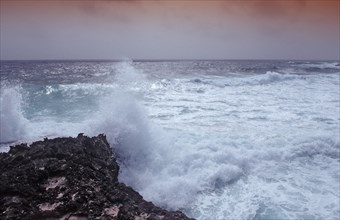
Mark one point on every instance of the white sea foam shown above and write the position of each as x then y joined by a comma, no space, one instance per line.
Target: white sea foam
13,123
218,147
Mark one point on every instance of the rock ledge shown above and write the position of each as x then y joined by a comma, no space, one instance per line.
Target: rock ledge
69,178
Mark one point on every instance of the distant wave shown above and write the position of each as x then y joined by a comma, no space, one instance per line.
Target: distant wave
250,80
268,78
323,65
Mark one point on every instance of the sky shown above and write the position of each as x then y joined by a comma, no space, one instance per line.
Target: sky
174,29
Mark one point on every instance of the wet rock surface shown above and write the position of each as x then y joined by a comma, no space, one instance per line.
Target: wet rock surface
69,178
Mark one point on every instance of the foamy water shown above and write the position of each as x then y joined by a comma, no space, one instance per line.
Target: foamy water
215,140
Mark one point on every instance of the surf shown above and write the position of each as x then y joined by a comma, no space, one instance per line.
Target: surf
242,146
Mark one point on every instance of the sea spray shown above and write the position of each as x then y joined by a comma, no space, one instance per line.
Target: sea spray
170,174
217,139
13,123
126,125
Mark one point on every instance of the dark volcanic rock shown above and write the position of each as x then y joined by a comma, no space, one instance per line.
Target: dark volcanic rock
69,178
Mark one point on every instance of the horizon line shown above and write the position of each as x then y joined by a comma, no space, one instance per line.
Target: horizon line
160,60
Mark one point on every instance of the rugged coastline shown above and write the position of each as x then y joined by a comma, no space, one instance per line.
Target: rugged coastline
69,178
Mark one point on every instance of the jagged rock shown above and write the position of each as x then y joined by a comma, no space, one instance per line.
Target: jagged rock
69,178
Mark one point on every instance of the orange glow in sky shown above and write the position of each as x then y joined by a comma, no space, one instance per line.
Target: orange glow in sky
239,29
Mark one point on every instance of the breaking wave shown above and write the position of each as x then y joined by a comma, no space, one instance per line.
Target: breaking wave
191,142
13,123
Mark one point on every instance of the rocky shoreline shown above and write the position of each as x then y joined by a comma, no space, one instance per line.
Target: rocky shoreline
69,178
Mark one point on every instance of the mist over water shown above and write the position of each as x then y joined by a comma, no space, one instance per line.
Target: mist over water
13,123
215,139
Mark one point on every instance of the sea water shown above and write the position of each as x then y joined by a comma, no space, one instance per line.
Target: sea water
215,139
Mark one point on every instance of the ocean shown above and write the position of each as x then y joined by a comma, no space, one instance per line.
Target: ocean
214,139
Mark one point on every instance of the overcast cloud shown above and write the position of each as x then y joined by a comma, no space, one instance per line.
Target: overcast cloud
170,29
